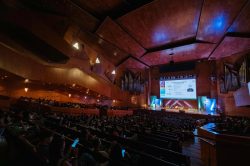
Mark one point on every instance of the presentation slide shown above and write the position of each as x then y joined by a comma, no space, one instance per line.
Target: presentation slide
178,89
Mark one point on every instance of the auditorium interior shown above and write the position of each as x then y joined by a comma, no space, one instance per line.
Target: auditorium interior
124,82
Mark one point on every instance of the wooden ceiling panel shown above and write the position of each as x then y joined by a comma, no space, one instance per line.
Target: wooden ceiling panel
99,7
143,30
242,23
64,8
216,17
162,22
155,58
84,19
132,63
183,53
110,52
113,33
230,46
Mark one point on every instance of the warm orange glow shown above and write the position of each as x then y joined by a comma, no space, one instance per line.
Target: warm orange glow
26,89
134,99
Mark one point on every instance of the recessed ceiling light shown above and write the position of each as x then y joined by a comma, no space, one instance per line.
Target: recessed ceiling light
115,53
100,41
26,80
69,95
76,45
26,89
97,60
113,72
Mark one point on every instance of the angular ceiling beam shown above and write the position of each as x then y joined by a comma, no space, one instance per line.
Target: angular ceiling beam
176,44
238,34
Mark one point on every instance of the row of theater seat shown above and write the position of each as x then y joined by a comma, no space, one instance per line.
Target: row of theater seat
144,159
165,148
156,147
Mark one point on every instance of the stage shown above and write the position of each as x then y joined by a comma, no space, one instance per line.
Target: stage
187,111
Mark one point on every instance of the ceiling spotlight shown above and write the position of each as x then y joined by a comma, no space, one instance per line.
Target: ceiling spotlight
115,53
98,100
97,60
26,89
73,85
113,101
69,95
85,97
113,72
100,41
26,80
76,45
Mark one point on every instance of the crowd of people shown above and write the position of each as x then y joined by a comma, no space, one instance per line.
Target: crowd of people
55,103
233,125
63,139
53,149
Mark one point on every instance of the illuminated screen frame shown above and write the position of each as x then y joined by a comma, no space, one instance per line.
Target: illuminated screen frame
179,98
248,85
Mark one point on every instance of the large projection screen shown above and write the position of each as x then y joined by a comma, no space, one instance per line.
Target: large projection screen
178,89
